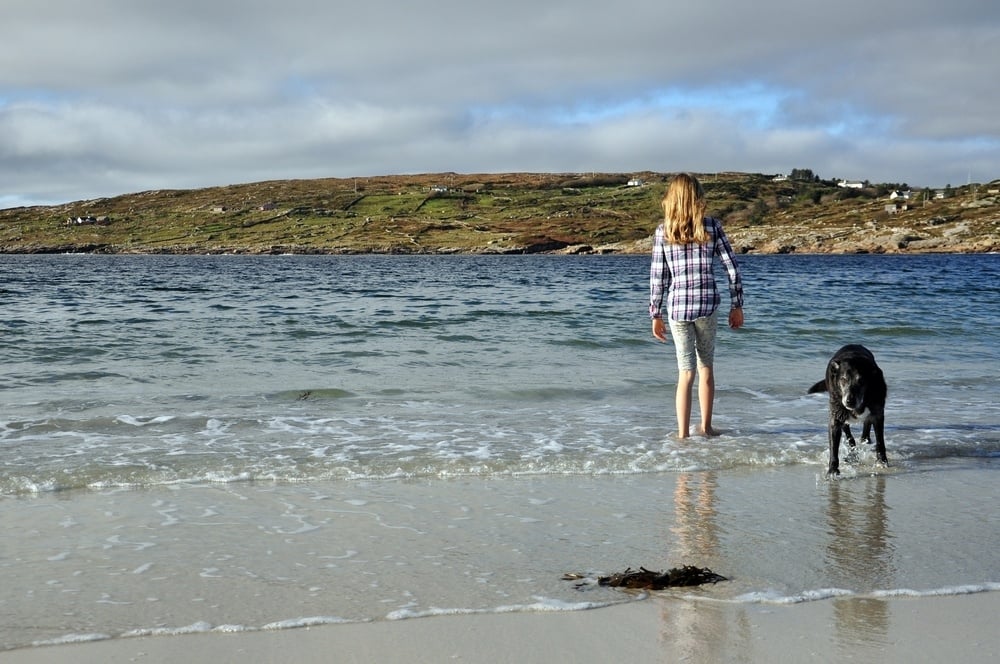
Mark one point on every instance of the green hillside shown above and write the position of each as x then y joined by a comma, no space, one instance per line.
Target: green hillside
502,213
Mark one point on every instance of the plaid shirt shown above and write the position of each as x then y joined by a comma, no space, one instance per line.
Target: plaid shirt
685,271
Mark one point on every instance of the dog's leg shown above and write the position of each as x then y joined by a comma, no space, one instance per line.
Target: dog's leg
836,429
880,437
866,431
850,437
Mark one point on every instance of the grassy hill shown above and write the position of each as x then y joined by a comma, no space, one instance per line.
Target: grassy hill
501,213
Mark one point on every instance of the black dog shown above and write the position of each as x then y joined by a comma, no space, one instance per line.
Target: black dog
857,392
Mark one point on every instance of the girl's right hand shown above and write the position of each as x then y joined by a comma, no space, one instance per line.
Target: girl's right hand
736,318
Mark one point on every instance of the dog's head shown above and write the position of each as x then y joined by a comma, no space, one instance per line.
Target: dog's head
850,383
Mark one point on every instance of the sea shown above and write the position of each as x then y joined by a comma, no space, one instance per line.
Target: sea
238,443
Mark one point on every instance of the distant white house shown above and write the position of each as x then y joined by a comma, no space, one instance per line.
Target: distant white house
88,220
439,189
851,184
905,195
779,178
635,182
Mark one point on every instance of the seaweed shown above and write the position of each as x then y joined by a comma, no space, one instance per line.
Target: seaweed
687,575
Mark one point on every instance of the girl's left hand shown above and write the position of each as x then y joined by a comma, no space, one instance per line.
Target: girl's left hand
659,329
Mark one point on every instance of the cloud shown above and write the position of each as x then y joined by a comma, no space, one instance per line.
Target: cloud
114,96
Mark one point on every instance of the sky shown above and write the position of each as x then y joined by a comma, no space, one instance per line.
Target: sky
106,97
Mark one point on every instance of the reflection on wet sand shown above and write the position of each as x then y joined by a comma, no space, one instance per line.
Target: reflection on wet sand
695,527
696,631
860,557
857,551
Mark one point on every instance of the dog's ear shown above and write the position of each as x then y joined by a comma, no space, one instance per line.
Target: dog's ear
834,365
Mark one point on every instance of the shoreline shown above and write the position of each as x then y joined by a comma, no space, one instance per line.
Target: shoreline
744,241
664,627
573,250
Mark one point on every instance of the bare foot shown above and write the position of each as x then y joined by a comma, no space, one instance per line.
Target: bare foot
710,432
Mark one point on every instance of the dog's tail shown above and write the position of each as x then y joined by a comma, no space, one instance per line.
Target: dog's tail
818,387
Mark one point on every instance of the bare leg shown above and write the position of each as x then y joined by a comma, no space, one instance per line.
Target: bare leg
685,379
706,399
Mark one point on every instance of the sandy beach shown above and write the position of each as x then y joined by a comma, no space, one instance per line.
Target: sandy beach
874,587
659,629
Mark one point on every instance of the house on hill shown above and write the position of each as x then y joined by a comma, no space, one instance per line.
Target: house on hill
88,220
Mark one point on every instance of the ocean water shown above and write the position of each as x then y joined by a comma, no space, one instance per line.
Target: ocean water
196,443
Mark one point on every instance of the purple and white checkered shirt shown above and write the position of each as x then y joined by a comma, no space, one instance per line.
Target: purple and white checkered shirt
685,272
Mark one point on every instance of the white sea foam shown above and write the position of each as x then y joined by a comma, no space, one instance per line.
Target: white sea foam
541,605
820,594
311,621
72,638
199,627
937,592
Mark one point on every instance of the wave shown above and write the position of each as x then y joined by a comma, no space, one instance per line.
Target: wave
820,594
285,469
204,627
542,605
132,451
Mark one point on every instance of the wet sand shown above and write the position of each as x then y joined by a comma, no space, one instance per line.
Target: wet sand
927,629
897,567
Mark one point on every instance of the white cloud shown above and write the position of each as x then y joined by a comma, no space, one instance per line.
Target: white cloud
113,96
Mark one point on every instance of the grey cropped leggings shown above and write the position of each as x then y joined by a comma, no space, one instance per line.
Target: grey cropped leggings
695,340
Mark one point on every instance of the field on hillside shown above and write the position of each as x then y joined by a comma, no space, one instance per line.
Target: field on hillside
501,213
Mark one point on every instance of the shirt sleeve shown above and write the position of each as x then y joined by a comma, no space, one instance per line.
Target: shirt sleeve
659,276
725,252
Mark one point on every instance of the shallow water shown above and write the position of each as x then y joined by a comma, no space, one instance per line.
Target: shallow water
139,371
193,443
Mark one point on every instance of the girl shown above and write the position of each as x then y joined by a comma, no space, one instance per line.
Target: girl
684,251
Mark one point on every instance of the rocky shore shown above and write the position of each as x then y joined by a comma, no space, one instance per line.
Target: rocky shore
894,240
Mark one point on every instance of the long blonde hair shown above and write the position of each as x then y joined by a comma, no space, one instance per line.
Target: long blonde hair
684,210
